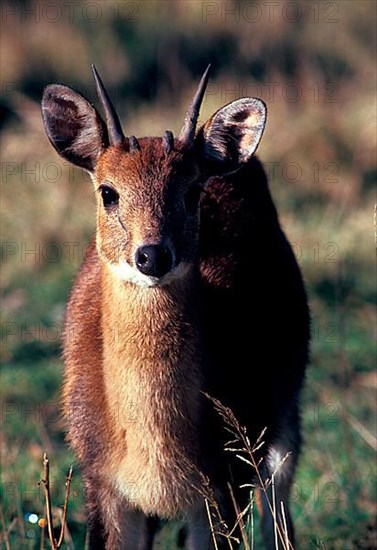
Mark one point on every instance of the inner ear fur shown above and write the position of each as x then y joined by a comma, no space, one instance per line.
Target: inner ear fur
232,134
73,126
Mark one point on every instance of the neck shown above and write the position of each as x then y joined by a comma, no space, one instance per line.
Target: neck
152,348
148,321
153,380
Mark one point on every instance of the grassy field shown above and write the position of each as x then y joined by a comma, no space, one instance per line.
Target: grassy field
314,65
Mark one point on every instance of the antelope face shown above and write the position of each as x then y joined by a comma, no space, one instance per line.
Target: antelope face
148,211
148,190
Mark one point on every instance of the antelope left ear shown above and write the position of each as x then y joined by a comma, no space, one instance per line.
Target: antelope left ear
232,134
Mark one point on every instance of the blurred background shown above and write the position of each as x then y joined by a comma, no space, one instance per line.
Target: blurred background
313,63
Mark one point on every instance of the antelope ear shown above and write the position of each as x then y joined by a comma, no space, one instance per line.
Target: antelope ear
73,126
232,134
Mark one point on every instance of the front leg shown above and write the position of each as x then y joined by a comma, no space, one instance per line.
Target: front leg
277,525
112,523
276,522
199,535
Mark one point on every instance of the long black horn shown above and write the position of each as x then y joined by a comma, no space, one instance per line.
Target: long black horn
114,127
188,130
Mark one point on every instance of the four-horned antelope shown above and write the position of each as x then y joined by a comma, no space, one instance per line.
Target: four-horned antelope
190,288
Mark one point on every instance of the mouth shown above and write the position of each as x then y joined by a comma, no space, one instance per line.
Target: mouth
128,273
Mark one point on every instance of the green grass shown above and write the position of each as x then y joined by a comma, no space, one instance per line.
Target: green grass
328,209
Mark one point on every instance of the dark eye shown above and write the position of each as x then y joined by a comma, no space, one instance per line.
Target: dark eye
192,198
109,196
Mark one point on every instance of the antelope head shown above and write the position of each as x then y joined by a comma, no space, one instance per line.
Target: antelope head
148,190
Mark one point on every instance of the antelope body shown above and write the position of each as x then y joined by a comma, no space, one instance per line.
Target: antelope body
190,288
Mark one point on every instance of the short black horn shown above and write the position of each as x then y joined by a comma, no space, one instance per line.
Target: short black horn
114,127
188,130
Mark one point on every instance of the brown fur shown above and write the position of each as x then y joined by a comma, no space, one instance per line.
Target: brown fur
140,358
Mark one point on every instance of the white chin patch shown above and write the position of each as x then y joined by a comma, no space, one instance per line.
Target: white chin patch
126,272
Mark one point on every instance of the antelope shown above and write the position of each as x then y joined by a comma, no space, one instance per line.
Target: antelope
190,289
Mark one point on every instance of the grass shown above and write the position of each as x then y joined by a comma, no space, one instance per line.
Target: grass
321,159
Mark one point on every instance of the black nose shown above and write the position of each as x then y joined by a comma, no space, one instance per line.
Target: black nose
154,260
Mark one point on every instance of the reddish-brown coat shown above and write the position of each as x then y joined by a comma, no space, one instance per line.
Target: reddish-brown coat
233,323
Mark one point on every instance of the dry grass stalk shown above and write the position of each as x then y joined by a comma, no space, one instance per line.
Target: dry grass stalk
239,520
5,534
219,528
211,524
241,446
55,544
285,524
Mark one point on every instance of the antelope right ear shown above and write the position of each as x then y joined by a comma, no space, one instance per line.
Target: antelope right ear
73,126
231,136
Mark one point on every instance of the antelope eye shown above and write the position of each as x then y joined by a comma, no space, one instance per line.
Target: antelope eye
192,198
109,196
